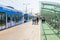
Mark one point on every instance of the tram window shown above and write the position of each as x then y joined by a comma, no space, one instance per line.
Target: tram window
21,17
17,18
9,18
12,17
2,18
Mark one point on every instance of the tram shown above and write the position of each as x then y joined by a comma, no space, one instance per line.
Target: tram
26,17
9,17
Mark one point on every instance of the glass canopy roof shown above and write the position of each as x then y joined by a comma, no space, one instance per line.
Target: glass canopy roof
51,6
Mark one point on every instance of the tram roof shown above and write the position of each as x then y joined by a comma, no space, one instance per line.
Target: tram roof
6,9
26,14
50,3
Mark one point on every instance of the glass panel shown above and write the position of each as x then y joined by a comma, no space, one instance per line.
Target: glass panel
42,6
48,6
47,10
57,9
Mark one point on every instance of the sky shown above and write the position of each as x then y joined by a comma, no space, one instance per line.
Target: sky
32,5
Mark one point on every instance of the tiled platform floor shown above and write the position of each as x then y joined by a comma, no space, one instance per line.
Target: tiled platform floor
48,32
25,31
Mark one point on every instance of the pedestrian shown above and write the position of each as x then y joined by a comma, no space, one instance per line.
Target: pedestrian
37,20
43,19
34,20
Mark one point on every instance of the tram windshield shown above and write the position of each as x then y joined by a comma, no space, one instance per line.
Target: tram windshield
26,17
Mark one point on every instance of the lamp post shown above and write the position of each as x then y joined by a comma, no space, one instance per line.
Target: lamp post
26,6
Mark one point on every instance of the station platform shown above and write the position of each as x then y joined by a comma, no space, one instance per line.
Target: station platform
25,31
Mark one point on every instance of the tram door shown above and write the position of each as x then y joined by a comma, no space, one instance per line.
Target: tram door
13,21
8,20
2,20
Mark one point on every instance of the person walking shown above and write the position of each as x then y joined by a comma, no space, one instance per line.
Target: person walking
34,20
43,19
37,20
